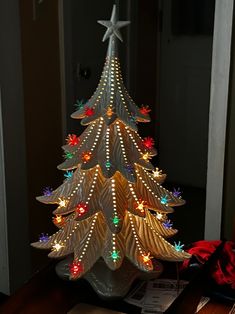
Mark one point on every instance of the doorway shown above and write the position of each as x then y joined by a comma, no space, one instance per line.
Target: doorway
184,98
166,60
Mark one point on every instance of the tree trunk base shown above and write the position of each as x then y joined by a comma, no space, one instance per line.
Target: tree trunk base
109,284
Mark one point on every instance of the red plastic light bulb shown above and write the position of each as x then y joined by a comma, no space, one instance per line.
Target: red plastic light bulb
75,268
145,110
72,140
148,142
89,111
81,209
86,156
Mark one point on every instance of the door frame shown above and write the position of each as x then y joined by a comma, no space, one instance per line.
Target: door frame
217,132
223,24
222,37
220,70
4,260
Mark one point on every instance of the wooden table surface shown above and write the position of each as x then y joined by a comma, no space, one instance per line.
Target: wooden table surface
46,293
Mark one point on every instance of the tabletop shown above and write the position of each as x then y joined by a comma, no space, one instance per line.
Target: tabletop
46,293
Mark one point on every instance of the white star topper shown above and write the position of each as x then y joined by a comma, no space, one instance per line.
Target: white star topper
113,25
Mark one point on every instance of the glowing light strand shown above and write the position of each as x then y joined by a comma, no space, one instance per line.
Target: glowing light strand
114,254
122,92
62,230
112,80
159,185
68,236
122,144
88,238
93,185
142,253
157,234
71,233
148,188
97,135
114,198
133,192
77,187
90,130
139,137
107,151
133,140
91,189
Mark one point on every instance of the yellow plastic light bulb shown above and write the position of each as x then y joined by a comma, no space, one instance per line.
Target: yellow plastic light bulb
57,246
157,173
159,216
62,202
146,258
146,156
140,206
109,111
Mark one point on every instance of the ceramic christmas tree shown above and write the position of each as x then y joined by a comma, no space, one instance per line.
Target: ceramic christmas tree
111,204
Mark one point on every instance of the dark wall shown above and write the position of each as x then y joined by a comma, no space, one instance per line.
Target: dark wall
14,145
42,104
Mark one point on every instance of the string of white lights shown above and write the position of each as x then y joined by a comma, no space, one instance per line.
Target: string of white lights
94,220
58,245
93,184
148,188
157,234
87,201
114,199
159,185
77,186
121,143
88,133
133,140
107,151
97,136
114,252
120,86
135,235
133,192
